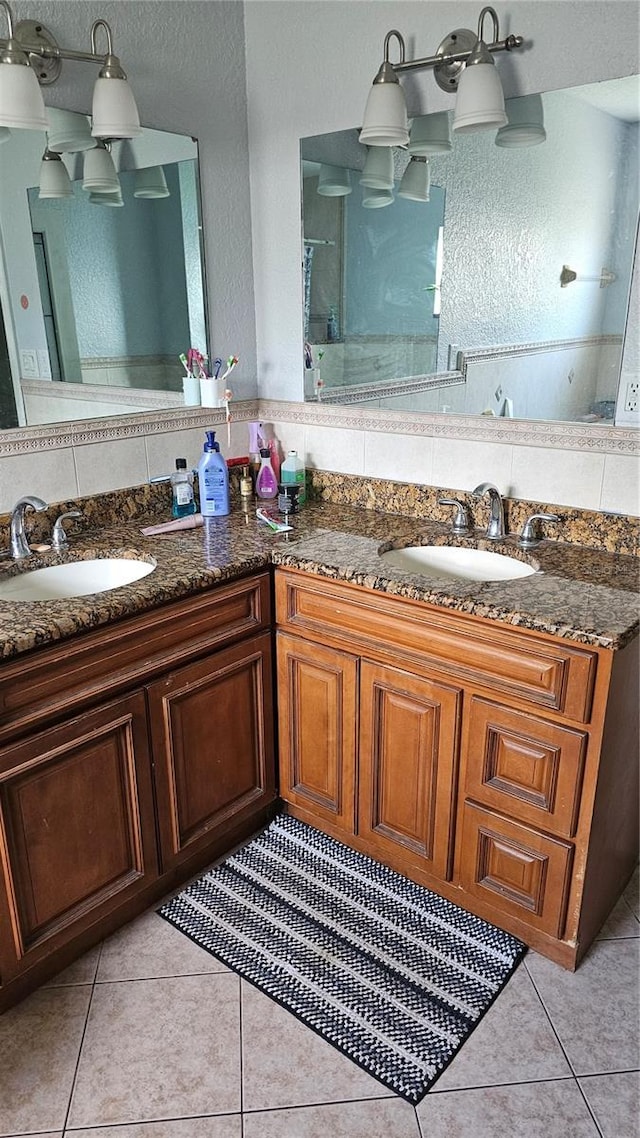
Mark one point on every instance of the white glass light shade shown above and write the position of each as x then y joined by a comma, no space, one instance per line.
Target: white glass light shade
376,199
107,199
378,168
526,123
69,132
54,179
114,111
5,133
150,183
416,180
430,134
385,117
334,182
99,172
21,102
480,101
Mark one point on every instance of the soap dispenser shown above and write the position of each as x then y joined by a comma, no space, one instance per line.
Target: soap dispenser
266,481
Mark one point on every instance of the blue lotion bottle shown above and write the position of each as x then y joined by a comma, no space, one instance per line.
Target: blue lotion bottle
213,480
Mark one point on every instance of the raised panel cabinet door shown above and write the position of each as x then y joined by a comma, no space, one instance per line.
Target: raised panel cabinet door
317,712
77,830
212,740
409,728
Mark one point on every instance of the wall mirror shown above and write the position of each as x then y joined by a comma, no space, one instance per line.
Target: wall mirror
501,287
100,292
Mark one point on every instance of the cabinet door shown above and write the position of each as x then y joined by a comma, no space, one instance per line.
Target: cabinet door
77,831
317,694
212,738
409,730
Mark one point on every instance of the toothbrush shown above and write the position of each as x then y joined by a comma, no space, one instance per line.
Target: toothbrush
277,527
231,363
217,365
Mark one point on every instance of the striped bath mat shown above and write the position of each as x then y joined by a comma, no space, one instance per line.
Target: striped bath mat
391,974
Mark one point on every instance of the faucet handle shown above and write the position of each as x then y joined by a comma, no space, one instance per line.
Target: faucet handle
462,520
532,530
59,538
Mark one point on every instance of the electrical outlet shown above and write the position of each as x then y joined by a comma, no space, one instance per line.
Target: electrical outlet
632,397
29,363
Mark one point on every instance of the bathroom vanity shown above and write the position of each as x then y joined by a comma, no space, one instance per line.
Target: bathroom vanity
130,757
480,738
495,765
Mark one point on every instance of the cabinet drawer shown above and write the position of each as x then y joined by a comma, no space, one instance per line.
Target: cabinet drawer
524,766
515,869
41,684
545,672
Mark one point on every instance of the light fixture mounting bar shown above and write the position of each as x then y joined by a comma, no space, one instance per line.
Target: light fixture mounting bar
45,54
435,61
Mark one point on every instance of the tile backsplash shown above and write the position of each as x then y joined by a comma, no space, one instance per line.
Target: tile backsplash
335,439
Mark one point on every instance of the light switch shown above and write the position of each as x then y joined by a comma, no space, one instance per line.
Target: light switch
29,363
44,365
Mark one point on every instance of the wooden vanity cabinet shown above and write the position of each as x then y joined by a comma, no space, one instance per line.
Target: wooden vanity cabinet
130,757
493,764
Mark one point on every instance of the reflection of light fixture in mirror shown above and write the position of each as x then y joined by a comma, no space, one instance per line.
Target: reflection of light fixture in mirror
416,180
334,182
99,171
150,183
54,177
114,111
482,105
376,199
430,134
526,123
39,59
69,132
378,168
21,102
568,276
480,101
112,199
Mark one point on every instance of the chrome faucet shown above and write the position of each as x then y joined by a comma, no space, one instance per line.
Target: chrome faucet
18,540
495,529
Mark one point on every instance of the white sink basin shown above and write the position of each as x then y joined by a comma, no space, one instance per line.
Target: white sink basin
457,563
74,579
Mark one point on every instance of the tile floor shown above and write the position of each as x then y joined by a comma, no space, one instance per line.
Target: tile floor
148,1036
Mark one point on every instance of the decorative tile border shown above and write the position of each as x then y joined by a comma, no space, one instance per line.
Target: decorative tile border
411,385
105,393
516,432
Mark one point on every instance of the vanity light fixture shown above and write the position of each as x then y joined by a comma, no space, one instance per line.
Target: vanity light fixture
334,182
31,56
54,177
21,102
462,62
416,180
376,199
525,125
430,134
150,182
100,175
378,168
69,132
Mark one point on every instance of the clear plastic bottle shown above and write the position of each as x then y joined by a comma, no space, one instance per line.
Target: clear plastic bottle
266,481
183,502
292,472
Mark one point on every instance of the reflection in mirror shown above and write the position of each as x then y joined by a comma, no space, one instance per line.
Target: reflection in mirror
513,331
99,302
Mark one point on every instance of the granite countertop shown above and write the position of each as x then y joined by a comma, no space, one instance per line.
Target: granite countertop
579,594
